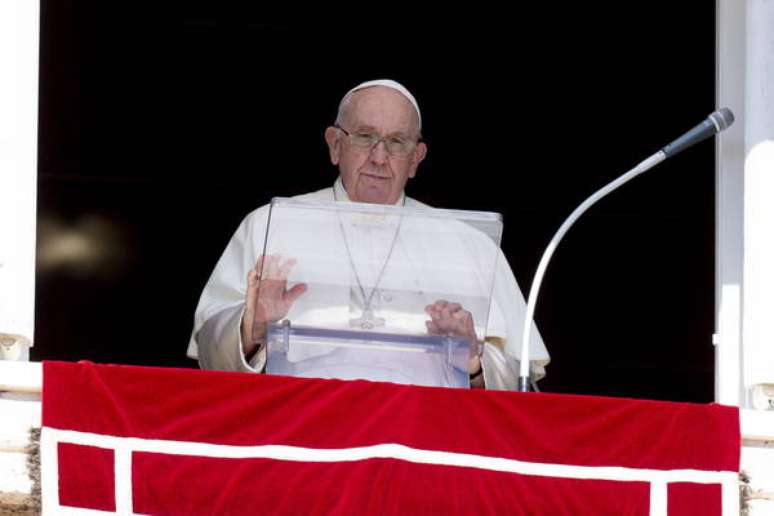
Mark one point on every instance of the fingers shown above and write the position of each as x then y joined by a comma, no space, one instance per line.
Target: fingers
283,270
468,325
449,318
451,311
271,267
267,298
432,328
442,309
294,293
259,265
437,306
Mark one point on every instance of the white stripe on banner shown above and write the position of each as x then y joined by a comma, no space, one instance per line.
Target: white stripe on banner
49,468
122,463
658,498
126,445
730,497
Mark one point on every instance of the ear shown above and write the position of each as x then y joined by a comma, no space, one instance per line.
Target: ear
419,154
333,139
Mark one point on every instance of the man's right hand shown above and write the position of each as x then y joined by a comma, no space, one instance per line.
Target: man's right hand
267,299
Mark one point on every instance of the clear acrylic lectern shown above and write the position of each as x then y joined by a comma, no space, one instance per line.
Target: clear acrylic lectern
370,271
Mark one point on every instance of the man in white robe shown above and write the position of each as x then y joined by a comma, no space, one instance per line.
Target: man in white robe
376,144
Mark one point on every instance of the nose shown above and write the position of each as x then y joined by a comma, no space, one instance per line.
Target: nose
379,153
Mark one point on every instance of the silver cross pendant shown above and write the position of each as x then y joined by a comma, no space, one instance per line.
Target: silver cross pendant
367,321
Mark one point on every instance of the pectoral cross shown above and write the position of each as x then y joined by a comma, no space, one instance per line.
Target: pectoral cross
368,321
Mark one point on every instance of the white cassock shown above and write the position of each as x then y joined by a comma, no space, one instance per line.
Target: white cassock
391,278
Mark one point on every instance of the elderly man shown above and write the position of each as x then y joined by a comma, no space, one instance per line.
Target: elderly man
376,144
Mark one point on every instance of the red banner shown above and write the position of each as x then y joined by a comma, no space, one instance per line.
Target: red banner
172,441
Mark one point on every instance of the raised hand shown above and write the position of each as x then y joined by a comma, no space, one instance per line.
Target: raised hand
267,299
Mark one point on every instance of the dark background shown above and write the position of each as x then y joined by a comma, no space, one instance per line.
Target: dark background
160,128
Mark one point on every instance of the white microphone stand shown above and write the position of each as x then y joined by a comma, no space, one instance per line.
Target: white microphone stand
533,291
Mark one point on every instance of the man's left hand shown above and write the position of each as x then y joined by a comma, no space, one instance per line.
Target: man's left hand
450,318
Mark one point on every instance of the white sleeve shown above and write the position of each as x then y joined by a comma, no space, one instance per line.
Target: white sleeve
507,313
220,344
215,339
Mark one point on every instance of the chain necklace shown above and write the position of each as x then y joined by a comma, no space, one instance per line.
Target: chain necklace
368,321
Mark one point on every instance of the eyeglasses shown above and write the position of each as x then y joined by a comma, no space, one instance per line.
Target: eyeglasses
396,146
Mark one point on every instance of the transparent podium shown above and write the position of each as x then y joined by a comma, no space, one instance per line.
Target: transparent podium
370,273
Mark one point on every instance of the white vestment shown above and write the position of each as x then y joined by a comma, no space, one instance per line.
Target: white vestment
215,340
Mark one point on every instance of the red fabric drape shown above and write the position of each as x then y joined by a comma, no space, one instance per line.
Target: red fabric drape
249,410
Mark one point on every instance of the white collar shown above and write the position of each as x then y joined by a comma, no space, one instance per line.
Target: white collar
340,193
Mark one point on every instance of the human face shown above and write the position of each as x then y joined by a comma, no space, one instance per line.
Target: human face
373,175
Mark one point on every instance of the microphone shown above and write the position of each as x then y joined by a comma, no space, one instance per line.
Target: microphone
717,121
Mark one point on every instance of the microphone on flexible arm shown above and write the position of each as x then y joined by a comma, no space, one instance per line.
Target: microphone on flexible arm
716,122
719,120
